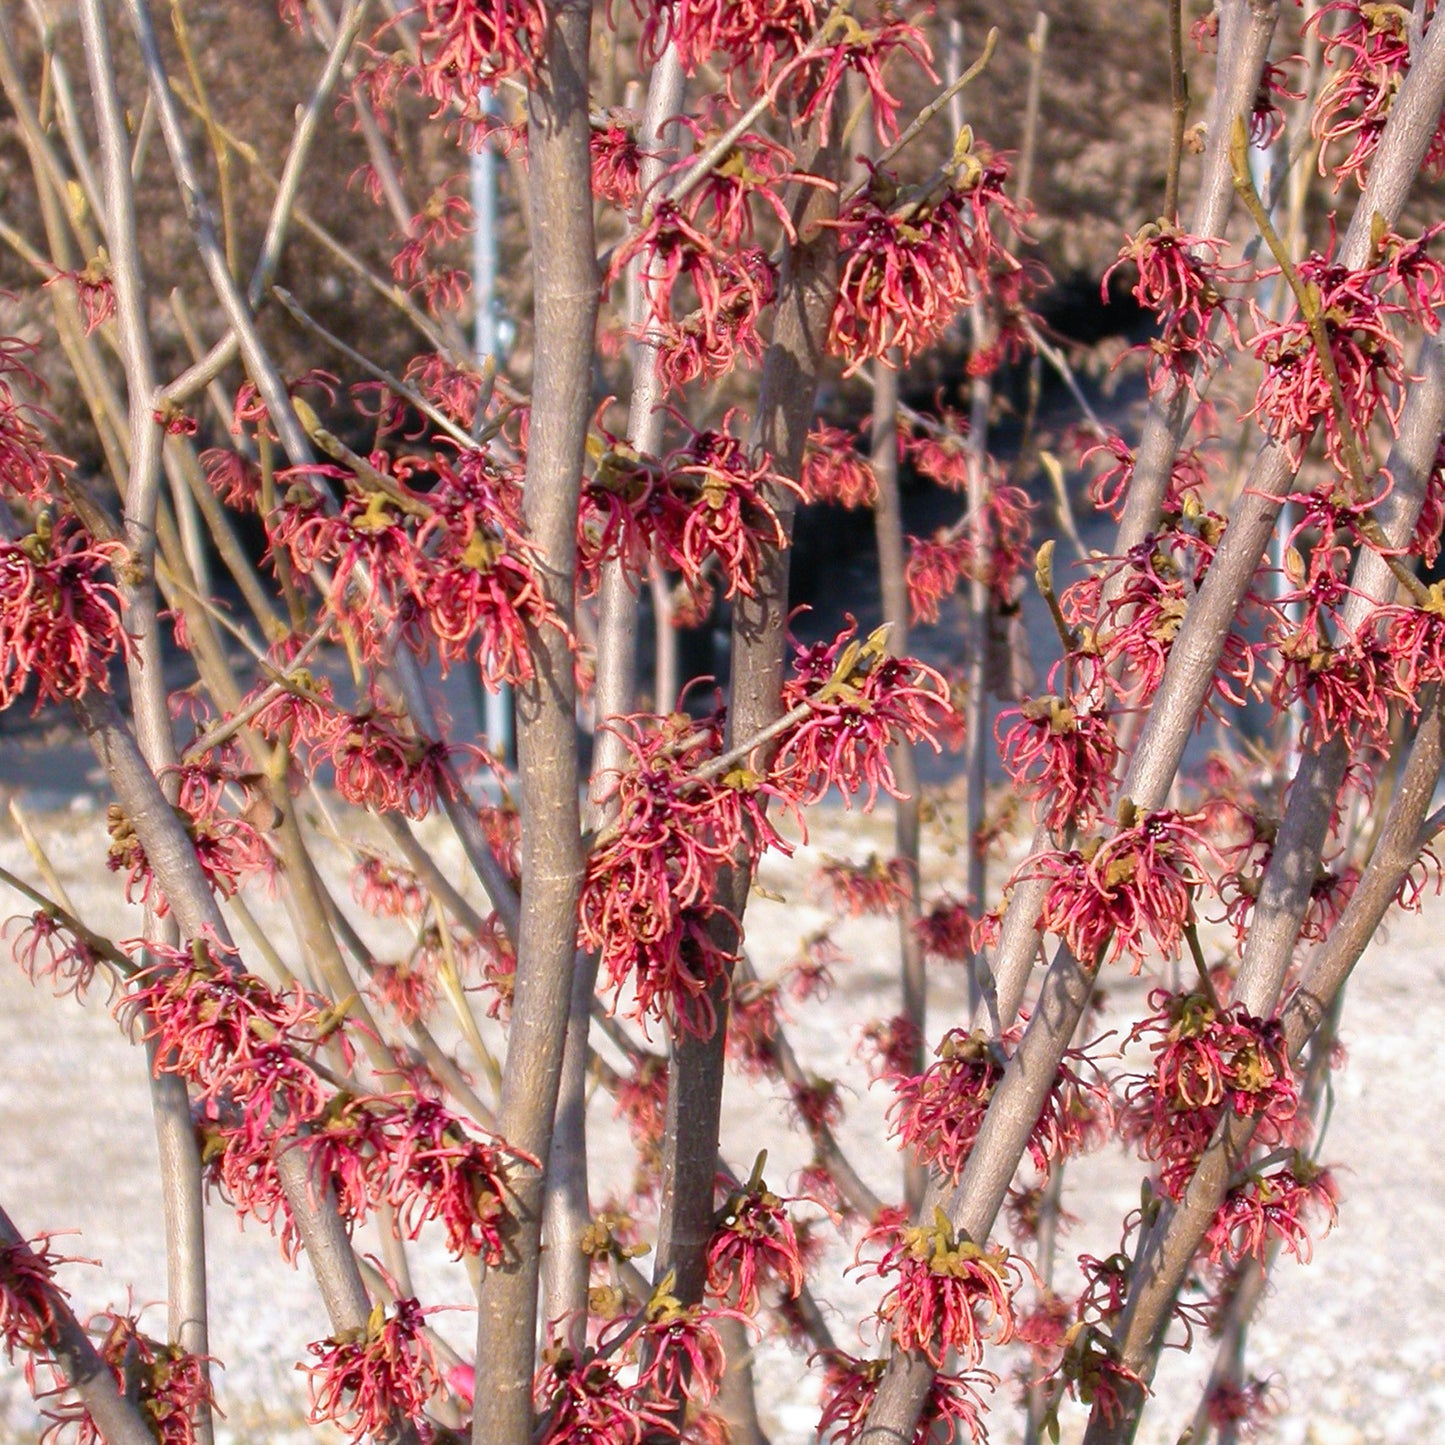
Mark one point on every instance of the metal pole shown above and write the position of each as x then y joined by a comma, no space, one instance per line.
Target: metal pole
496,707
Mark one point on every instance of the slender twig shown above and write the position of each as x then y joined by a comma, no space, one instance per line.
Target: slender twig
1178,110
940,101
1307,299
400,388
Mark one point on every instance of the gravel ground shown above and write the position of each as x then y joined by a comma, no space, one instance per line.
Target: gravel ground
1353,1340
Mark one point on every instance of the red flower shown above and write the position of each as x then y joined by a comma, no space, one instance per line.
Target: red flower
705,505
909,266
681,1353
890,1046
167,1385
69,961
646,900
1294,396
582,1402
1061,758
753,1021
941,1284
1269,1206
949,931
1204,1062
952,1411
28,468
386,889
439,1171
876,887
1128,891
1181,281
467,46
28,1295
59,623
1110,488
833,470
934,569
860,701
1368,56
368,1380
753,1243
938,1113
94,292
755,35
1241,1409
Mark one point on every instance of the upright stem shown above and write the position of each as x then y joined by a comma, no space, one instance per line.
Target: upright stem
791,367
181,1186
1165,1264
1178,109
565,315
567,1209
888,525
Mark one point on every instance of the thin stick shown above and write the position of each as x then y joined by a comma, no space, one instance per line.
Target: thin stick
1178,110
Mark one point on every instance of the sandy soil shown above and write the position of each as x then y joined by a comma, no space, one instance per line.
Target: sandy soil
1353,1340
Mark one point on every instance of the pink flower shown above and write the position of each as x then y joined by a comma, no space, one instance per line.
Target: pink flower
28,1296
1204,1062
878,886
1061,758
834,471
469,45
860,701
1268,1206
909,267
1128,891
368,1380
440,1171
1182,282
167,1385
942,1283
68,960
753,1243
954,1409
583,1402
59,619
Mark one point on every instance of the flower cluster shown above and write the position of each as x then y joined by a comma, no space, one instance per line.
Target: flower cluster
451,565
704,298
369,1380
1181,281
167,1384
942,1283
1269,1206
60,626
753,1243
952,1411
910,263
859,700
938,1113
1296,395
1206,1060
28,1296
646,904
1368,55
248,1051
834,471
28,468
468,46
1061,758
706,505
1128,891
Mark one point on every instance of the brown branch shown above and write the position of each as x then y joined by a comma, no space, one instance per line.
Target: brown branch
116,1417
565,306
